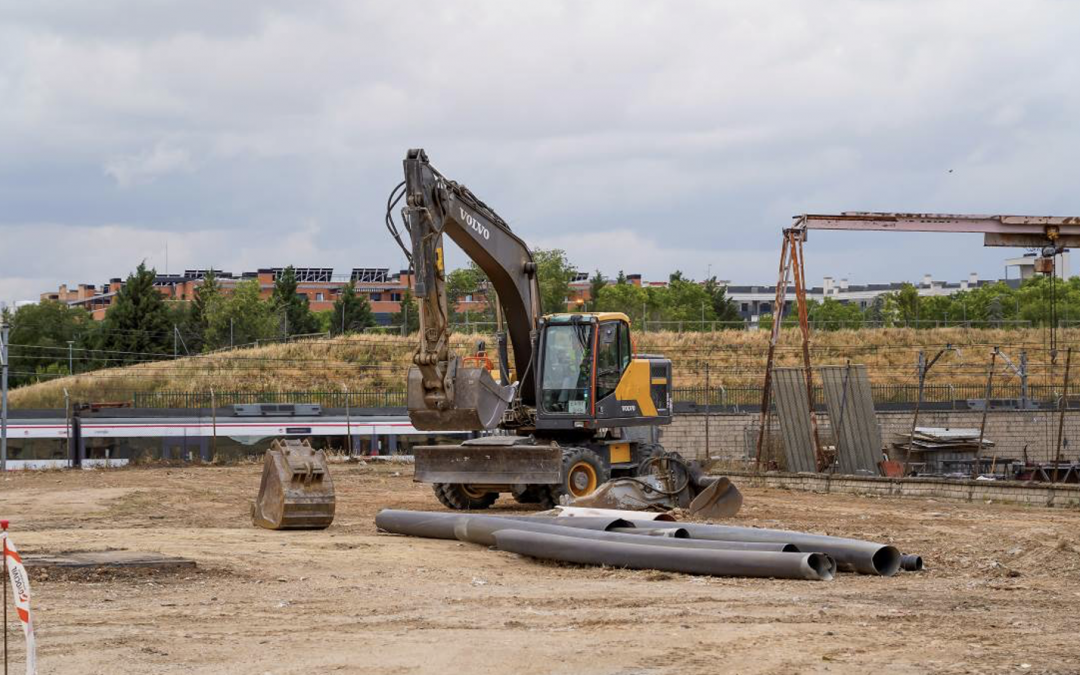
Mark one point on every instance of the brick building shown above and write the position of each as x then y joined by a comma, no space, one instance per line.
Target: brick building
382,289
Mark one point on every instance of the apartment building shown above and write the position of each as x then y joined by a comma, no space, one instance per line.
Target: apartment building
319,284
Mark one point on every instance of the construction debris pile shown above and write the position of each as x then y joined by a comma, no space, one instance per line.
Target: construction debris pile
635,543
943,439
948,452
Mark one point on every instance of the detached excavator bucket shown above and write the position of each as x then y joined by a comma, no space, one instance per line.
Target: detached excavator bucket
478,402
719,498
296,491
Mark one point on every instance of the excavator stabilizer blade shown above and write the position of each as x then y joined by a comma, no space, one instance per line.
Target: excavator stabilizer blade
478,402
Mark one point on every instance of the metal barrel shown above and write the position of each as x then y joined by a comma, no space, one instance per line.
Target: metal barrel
814,566
911,563
851,555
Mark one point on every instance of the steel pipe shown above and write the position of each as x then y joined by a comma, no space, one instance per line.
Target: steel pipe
590,512
671,532
815,566
851,555
482,529
587,522
441,525
911,563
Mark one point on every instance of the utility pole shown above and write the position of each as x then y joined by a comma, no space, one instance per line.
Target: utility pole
174,345
3,395
708,411
986,409
230,332
71,359
1061,417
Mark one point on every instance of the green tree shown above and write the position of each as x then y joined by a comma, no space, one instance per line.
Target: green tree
466,281
626,298
687,302
43,331
408,315
243,317
138,322
351,312
831,314
291,306
724,308
907,304
197,321
554,274
596,284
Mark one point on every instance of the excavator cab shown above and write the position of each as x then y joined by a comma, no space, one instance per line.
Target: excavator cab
590,376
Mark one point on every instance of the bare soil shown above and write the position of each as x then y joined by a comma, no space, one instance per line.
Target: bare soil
1000,593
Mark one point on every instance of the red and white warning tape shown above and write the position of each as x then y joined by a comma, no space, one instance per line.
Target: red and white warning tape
20,587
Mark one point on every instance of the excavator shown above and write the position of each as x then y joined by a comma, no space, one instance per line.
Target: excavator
578,407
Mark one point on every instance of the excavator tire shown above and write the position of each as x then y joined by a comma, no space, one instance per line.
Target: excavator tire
646,452
461,497
582,472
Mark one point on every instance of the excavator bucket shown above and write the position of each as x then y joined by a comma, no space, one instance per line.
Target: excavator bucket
718,499
296,491
478,402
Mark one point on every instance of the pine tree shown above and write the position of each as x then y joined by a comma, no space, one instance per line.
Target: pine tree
138,321
351,312
198,320
409,315
292,307
621,279
725,309
596,284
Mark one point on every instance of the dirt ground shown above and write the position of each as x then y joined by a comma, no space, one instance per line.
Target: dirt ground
1000,593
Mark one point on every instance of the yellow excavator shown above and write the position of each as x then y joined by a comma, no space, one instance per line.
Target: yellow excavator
578,407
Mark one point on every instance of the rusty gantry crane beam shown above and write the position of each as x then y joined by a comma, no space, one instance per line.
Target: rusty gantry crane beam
1052,234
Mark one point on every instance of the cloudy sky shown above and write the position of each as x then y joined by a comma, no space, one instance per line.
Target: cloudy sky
643,136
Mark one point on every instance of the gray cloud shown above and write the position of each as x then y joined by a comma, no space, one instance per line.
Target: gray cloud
636,135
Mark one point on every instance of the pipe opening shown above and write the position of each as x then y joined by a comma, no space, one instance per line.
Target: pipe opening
822,565
886,561
911,563
790,548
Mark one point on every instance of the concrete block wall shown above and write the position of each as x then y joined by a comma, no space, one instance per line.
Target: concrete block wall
1009,492
1010,430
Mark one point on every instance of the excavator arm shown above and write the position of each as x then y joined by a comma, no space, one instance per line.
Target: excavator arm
443,393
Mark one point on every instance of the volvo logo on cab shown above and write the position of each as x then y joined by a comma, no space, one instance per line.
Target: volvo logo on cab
475,224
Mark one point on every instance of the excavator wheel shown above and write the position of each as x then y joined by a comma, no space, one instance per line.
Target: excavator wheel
645,452
461,497
582,472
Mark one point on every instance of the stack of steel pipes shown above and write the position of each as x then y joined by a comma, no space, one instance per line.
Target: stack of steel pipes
690,548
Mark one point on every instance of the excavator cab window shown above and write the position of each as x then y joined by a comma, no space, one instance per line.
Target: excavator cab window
612,357
566,376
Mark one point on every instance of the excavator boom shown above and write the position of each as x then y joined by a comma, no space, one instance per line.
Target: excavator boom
444,394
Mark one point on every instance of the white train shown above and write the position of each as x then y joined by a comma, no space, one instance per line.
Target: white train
120,436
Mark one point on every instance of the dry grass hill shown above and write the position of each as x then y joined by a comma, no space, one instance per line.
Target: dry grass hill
733,358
